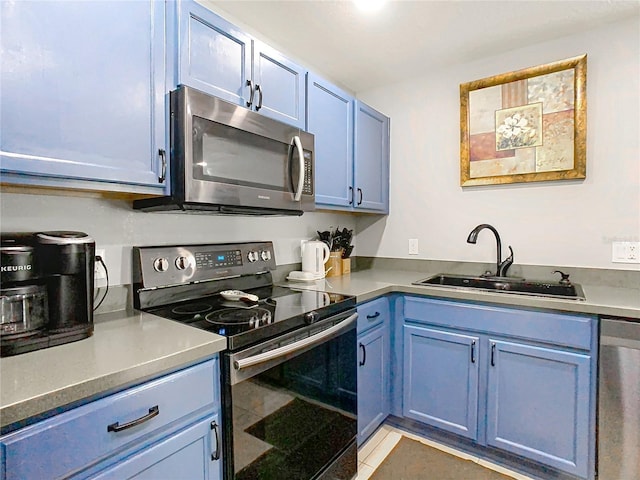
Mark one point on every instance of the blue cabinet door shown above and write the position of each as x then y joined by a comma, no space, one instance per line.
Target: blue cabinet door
330,120
441,379
371,159
538,405
373,381
218,58
280,86
214,55
83,92
194,453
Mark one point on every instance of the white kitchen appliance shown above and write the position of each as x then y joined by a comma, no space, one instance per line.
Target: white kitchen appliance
314,255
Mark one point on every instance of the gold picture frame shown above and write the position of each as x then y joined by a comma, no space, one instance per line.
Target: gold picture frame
525,126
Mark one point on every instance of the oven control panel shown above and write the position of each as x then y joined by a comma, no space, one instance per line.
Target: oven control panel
174,265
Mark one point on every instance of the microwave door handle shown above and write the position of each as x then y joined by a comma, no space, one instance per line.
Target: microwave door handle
298,191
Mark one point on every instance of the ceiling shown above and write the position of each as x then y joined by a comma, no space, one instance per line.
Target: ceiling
361,51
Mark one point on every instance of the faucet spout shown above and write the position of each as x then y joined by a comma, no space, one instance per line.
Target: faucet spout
473,237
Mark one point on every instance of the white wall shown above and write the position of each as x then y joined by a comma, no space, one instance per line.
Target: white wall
552,223
116,227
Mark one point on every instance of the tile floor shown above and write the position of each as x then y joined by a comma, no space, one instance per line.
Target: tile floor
376,449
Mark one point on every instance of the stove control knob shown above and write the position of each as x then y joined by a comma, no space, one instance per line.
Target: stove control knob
182,262
311,317
161,264
265,255
252,256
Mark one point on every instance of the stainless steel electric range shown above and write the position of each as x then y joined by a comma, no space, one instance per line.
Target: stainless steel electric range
288,376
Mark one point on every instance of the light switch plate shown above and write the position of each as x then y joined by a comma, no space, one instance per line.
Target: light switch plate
413,246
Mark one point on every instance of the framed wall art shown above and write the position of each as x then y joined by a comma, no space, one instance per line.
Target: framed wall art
525,126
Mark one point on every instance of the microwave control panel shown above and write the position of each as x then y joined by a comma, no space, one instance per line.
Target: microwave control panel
307,186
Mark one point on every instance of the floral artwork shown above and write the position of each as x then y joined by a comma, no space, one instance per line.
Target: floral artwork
519,127
527,125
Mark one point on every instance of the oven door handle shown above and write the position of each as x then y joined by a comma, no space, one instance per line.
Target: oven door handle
327,334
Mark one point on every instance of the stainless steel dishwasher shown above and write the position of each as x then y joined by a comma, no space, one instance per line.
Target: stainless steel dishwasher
619,400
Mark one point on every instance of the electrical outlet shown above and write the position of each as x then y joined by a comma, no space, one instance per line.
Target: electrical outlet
625,252
413,246
99,275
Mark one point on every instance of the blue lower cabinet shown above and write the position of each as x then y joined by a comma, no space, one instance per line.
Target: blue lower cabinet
374,366
158,422
520,381
192,454
441,379
538,404
373,381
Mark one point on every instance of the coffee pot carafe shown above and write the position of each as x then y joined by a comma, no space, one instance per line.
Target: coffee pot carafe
314,255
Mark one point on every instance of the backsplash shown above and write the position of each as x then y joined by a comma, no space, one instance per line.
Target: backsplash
581,275
116,227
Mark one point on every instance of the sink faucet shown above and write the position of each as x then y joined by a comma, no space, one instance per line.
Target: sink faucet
501,267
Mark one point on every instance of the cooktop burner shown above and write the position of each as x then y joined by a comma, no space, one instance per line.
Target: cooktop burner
192,309
278,310
182,283
233,316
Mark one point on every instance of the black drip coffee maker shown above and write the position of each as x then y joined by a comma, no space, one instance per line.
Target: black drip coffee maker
46,292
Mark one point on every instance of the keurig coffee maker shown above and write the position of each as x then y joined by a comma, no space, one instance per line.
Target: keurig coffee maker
46,291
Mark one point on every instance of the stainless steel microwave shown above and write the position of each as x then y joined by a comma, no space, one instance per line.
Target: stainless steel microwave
228,159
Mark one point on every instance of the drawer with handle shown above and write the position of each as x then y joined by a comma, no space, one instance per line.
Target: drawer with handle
372,313
81,437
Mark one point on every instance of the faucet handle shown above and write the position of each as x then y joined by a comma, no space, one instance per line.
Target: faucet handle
565,278
504,266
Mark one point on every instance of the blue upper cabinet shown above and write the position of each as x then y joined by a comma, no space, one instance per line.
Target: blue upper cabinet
279,84
83,94
371,159
218,58
214,56
351,149
330,119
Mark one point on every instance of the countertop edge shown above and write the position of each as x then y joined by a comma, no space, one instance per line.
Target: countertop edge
38,406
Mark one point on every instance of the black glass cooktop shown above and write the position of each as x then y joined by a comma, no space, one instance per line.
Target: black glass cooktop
278,310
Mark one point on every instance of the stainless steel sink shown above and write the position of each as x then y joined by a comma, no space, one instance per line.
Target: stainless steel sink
506,285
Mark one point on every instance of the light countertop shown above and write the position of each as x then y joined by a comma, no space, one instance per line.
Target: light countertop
126,348
130,347
368,284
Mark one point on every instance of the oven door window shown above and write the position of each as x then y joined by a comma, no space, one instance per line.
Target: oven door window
228,155
294,419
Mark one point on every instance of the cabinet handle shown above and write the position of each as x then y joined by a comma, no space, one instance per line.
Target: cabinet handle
259,90
251,92
375,315
350,195
360,194
163,165
216,453
473,351
116,427
364,355
493,354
